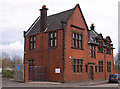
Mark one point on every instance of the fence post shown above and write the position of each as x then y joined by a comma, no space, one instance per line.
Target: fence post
26,72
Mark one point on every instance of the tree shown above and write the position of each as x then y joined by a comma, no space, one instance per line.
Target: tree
16,60
10,62
119,59
0,62
5,61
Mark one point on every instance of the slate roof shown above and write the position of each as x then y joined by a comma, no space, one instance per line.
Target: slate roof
54,21
94,36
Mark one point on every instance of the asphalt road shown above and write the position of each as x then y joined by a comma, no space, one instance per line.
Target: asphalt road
6,82
102,85
0,81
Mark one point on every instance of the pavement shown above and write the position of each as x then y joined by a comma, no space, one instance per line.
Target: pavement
7,82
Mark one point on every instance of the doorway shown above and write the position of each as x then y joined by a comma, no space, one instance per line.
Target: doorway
91,73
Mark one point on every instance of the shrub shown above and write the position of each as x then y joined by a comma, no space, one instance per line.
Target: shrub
8,74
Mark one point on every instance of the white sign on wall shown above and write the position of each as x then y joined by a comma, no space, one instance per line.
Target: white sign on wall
57,70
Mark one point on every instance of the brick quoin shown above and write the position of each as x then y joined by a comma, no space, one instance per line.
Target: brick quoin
63,54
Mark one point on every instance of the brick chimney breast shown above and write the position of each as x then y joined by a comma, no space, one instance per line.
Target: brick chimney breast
92,27
43,18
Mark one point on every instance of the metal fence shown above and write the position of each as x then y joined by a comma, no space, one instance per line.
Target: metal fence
37,73
19,73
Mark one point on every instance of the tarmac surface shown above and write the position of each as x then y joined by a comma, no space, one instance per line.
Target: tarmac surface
7,82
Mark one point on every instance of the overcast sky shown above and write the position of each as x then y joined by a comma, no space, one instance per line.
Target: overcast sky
17,16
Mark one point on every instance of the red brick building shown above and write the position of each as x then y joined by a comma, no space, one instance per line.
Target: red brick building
62,48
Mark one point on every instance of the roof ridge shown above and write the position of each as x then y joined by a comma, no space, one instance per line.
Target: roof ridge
61,12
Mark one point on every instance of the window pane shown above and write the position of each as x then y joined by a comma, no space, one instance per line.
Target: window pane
80,44
76,44
101,62
73,35
76,36
34,38
80,68
93,47
30,38
80,37
95,68
74,62
77,68
94,54
31,46
73,68
55,42
51,35
86,68
78,61
51,42
55,34
73,43
34,45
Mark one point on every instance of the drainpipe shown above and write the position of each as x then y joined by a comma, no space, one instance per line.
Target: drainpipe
105,62
63,50
26,63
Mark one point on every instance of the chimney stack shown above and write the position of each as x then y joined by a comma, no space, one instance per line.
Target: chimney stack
92,27
43,18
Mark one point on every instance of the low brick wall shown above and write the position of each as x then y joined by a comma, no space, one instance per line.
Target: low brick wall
116,70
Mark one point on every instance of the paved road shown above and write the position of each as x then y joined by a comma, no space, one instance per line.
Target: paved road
0,81
102,85
6,82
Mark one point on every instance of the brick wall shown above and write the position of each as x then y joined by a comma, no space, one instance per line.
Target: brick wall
52,58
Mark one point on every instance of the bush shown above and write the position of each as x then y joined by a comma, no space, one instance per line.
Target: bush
8,74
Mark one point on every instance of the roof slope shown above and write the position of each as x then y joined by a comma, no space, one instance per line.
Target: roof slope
54,22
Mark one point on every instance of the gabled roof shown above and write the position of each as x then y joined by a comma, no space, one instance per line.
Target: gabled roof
54,22
108,39
100,36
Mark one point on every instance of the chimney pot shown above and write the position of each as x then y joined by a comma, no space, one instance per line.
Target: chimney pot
92,26
44,6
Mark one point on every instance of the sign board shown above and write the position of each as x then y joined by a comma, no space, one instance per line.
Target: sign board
57,70
18,66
